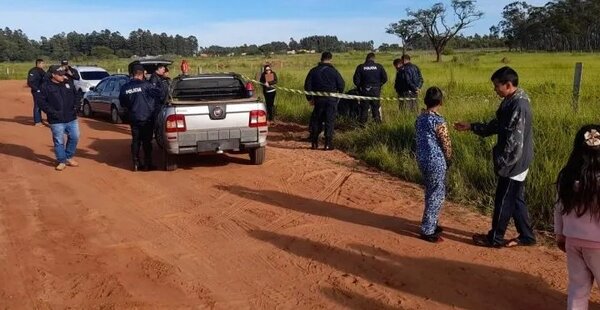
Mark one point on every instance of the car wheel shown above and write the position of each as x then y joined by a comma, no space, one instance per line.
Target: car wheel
169,161
257,156
86,109
114,115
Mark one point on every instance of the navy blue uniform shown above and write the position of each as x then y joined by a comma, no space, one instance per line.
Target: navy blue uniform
159,82
369,78
139,97
324,77
408,81
35,76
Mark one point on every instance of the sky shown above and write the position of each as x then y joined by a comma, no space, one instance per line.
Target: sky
231,22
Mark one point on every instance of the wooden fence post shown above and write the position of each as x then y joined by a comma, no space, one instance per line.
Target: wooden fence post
577,85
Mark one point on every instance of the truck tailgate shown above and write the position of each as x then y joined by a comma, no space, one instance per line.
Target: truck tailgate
237,115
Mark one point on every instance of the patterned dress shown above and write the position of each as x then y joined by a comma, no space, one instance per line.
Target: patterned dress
434,151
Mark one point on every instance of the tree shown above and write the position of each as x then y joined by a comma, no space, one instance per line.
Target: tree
407,30
433,22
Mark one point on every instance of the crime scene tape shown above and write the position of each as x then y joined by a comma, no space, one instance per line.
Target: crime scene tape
339,95
329,94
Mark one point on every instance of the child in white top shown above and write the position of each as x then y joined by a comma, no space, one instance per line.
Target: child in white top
577,215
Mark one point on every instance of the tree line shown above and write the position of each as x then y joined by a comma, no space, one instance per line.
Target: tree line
560,25
317,43
15,46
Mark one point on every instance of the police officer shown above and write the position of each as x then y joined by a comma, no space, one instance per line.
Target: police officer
139,97
35,76
323,78
369,77
408,83
157,80
57,99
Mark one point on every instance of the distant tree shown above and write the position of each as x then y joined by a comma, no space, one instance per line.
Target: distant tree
433,22
408,30
293,45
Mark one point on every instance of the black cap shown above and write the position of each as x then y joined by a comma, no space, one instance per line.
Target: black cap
137,67
64,62
56,69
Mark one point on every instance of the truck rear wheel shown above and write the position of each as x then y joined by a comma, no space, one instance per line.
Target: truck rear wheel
257,156
169,161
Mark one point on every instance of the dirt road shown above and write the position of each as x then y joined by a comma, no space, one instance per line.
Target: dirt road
306,230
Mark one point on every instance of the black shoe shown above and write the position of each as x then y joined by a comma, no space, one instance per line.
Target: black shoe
136,167
150,167
314,145
439,230
329,147
433,238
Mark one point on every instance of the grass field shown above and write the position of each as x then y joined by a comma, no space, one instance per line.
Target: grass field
464,77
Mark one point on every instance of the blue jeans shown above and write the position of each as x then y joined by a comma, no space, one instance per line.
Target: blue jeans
37,111
71,129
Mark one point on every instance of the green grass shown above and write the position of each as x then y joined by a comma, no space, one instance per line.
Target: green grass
469,96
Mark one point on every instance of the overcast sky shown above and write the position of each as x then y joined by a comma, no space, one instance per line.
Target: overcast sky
232,22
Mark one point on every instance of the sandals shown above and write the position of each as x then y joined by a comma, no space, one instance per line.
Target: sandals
516,242
483,241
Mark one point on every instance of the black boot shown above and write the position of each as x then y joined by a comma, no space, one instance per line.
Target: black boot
136,166
314,145
148,166
328,145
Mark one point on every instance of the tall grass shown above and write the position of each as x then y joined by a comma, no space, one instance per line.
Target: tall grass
469,96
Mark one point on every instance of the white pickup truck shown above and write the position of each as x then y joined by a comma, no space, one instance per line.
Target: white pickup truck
211,113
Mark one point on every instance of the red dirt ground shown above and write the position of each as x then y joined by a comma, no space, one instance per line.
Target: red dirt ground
306,230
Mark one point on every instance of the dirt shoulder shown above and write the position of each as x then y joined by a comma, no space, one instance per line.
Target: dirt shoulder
306,230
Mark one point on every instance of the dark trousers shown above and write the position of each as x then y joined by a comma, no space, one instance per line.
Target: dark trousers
141,135
408,101
37,110
374,105
270,102
510,203
325,110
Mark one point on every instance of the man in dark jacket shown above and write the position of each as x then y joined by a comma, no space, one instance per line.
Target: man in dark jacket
408,83
57,98
35,77
157,79
139,97
369,77
512,155
323,78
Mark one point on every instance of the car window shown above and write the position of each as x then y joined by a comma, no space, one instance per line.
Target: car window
122,82
110,86
102,85
94,75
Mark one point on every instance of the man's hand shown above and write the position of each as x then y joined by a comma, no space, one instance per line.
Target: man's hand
462,126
